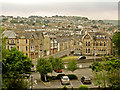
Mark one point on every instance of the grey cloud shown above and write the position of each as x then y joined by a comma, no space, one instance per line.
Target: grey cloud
72,8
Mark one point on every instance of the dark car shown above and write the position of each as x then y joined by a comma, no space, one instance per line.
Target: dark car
86,80
81,57
58,70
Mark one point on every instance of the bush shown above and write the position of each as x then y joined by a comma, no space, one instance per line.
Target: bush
54,77
83,87
60,75
64,88
72,76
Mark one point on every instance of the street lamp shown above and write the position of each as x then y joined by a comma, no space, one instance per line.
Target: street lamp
94,55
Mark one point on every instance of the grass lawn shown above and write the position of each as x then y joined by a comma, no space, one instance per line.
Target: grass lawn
70,58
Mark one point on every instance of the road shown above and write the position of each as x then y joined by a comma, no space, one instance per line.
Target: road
60,54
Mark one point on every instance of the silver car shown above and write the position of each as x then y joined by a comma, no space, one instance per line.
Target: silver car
65,80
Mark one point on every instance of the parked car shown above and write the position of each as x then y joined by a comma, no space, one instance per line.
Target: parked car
58,70
65,80
85,79
81,57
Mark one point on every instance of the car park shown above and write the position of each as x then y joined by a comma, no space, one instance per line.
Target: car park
81,57
65,80
86,80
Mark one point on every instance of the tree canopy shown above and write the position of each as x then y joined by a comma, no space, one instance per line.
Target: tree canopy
56,63
116,41
107,73
72,65
44,67
16,63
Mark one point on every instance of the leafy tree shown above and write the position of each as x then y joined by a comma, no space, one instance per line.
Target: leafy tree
100,78
107,73
4,50
44,67
15,84
14,21
113,63
96,66
116,41
93,21
97,80
101,21
114,79
72,65
15,63
21,21
85,18
56,63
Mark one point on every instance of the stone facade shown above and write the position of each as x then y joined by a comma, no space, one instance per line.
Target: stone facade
36,44
98,43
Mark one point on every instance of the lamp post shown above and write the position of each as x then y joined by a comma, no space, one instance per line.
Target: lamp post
94,55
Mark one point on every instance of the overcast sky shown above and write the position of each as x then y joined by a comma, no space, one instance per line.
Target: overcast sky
94,9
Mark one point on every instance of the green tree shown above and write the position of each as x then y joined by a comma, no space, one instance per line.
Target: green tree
72,65
14,21
96,66
52,61
56,63
15,84
107,73
44,67
4,50
116,41
15,63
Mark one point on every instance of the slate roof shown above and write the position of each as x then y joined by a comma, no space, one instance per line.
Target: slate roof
9,34
95,34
